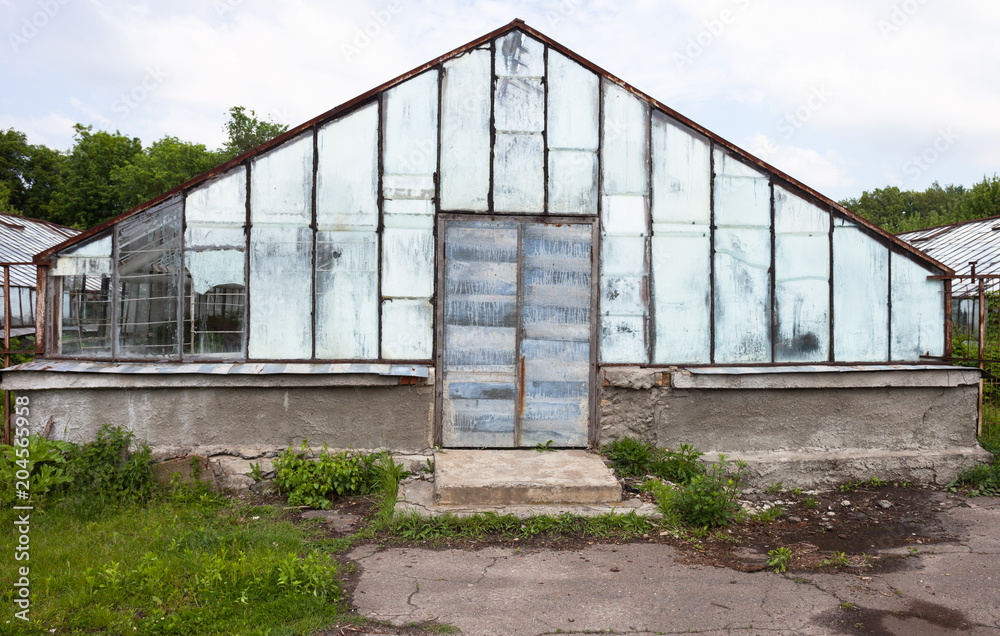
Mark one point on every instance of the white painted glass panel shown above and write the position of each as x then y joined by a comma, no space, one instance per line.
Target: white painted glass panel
623,340
518,173
682,297
407,329
347,172
465,132
572,182
682,174
625,148
220,202
573,115
802,279
346,295
410,126
520,56
917,311
860,296
742,194
624,214
407,263
280,292
624,300
281,184
519,105
742,295
395,186
96,248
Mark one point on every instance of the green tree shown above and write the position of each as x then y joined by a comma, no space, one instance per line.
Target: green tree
87,195
165,164
245,131
14,152
904,210
982,200
43,177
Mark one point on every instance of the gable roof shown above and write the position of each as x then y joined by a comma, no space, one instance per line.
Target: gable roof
515,25
21,238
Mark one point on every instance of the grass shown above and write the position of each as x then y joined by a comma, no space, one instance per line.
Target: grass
174,567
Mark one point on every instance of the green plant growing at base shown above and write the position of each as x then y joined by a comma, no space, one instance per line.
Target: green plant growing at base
547,446
778,559
255,472
37,466
311,481
809,502
631,458
710,499
839,560
774,489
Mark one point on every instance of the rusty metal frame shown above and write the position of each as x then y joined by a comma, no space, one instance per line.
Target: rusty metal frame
8,396
439,336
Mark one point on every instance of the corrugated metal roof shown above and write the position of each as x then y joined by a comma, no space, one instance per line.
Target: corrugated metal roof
958,244
224,368
21,238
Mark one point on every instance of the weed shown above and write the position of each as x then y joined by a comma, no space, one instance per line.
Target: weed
771,514
981,480
778,559
547,446
37,467
255,472
709,499
912,552
847,606
839,560
631,458
809,502
796,491
774,489
311,481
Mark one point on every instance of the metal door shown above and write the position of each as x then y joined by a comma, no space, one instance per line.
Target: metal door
516,359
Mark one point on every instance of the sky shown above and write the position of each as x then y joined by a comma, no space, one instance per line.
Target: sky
845,96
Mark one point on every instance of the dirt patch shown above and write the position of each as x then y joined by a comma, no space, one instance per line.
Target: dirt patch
919,619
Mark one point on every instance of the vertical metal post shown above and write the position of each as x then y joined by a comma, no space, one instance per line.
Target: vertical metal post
6,347
982,337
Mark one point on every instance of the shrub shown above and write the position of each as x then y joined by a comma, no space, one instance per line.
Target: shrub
631,458
40,466
112,467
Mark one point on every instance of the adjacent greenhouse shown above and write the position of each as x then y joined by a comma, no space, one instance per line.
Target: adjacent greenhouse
508,231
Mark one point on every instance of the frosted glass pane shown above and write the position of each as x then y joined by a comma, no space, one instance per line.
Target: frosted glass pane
346,295
572,182
793,214
574,94
626,142
623,340
347,173
280,292
407,263
520,56
281,184
917,311
742,194
221,201
407,329
860,296
742,295
410,126
682,298
93,248
519,105
518,174
802,297
465,132
624,214
682,174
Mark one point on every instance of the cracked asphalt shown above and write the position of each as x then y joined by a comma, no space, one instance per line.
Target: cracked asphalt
640,588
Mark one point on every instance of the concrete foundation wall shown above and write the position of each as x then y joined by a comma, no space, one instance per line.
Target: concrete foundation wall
910,427
243,421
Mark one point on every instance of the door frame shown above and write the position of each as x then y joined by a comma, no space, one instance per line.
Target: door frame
439,300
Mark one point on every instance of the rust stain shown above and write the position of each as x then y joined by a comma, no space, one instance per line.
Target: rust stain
520,390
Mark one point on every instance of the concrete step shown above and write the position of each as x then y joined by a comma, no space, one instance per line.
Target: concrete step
522,477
